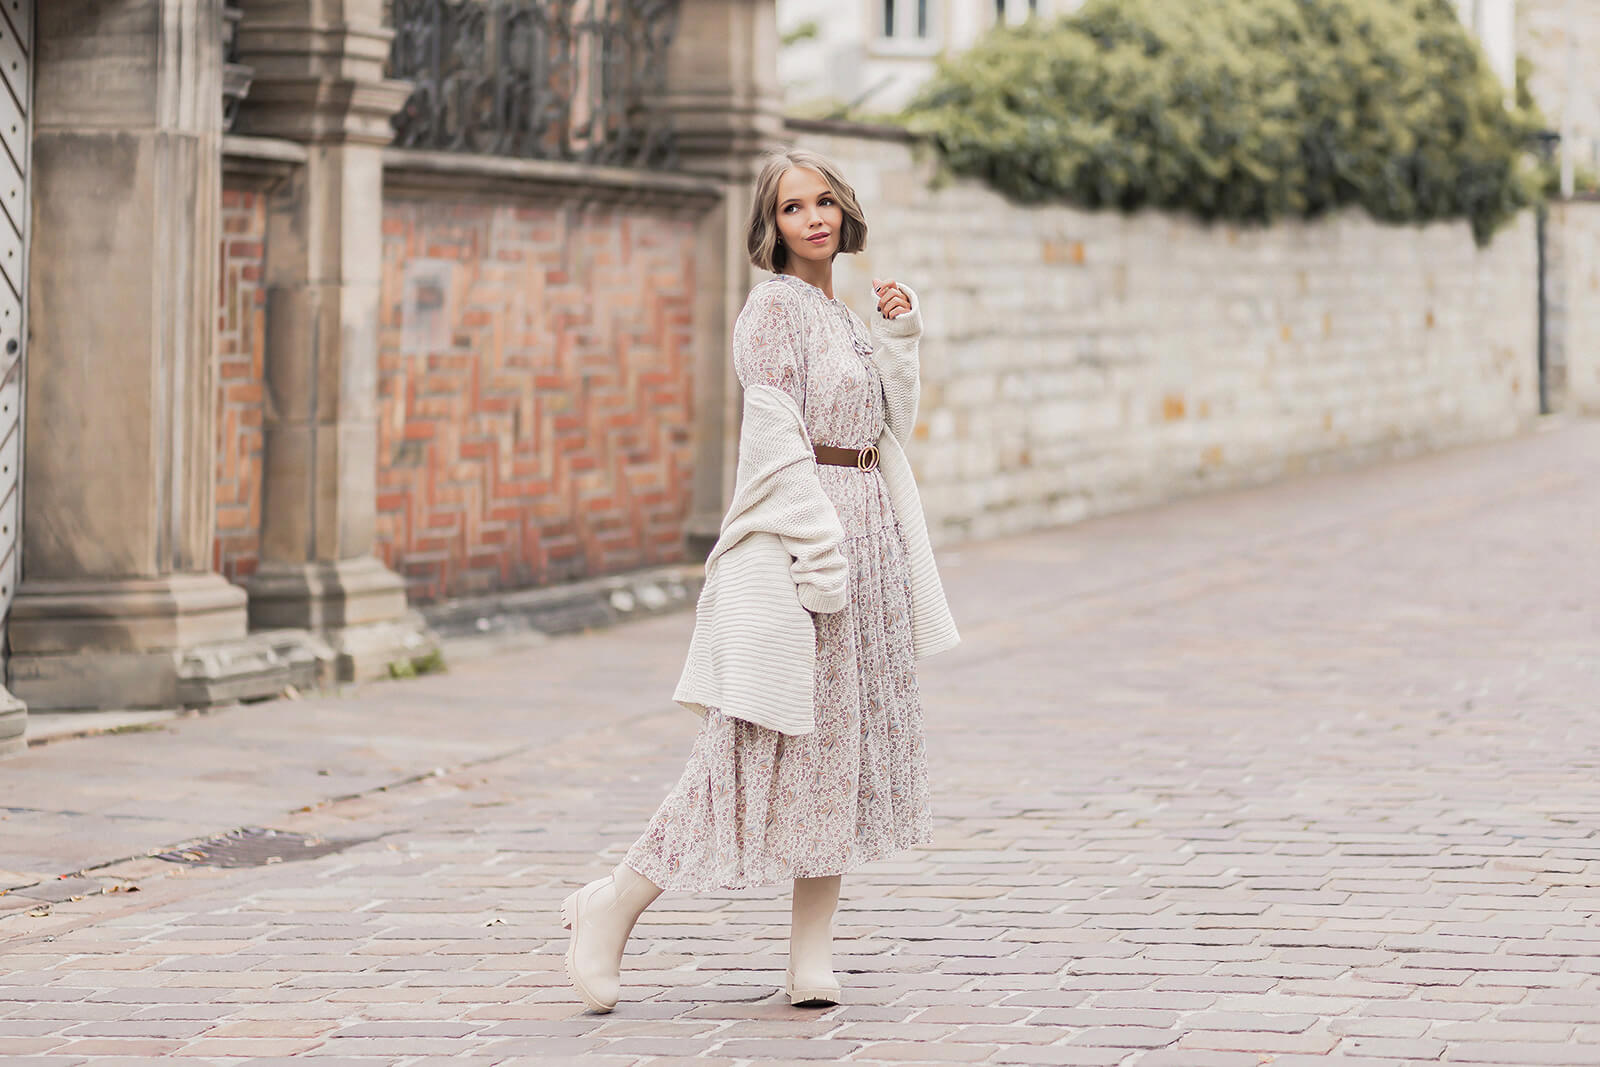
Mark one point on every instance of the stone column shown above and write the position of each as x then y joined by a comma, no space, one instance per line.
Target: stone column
725,108
319,80
118,605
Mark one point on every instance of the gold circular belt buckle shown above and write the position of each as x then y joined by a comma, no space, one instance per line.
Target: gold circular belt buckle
863,462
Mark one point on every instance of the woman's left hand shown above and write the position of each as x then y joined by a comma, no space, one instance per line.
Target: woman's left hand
892,300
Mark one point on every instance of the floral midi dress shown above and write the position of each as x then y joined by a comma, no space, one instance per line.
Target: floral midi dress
755,806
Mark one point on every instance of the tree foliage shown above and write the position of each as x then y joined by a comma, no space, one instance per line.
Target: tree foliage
1239,109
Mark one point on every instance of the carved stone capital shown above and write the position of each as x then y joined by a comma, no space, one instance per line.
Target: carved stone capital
722,89
319,83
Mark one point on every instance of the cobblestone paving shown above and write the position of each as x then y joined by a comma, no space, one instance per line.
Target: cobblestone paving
1297,775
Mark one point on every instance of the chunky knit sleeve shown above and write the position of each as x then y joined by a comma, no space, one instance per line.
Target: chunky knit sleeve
767,346
899,365
777,491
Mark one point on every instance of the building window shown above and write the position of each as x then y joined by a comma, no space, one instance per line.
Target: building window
1013,12
905,20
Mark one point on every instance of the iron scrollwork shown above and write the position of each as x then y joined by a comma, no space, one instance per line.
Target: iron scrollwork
236,77
539,79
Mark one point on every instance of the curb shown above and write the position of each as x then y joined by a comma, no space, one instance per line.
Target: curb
564,609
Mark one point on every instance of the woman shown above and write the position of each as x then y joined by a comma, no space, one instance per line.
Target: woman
820,594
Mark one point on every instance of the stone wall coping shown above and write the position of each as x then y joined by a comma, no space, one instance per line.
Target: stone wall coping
871,131
262,161
408,170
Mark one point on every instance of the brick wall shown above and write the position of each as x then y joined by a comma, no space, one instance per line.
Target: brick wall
240,392
1080,362
534,393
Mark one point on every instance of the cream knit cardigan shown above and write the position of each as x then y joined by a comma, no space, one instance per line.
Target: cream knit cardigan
777,558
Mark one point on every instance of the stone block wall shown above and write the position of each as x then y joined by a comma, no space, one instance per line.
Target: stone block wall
535,392
241,392
1574,297
1078,362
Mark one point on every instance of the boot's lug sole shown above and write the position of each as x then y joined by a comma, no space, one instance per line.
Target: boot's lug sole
813,1000
812,996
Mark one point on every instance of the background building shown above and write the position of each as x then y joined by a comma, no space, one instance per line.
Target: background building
849,56
1560,39
873,55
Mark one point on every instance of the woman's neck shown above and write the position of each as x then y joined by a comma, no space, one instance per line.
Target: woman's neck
817,274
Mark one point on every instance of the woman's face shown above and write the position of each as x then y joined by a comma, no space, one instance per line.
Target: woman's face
809,217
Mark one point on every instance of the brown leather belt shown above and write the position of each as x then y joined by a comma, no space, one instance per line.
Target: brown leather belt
864,459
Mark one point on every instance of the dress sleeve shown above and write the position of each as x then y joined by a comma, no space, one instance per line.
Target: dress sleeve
767,348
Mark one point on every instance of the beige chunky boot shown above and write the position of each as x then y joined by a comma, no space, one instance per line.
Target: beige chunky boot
810,980
601,916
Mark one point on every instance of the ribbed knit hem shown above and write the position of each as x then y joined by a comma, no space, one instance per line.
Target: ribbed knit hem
814,599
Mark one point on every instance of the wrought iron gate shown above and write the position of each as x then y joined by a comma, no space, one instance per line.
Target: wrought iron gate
16,111
541,79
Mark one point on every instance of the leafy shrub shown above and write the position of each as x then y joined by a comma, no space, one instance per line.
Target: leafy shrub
1248,110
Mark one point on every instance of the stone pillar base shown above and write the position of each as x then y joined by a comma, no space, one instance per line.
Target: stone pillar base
358,605
177,640
13,724
699,540
370,650
242,670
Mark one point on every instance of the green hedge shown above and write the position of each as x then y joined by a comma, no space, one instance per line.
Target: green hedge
1239,109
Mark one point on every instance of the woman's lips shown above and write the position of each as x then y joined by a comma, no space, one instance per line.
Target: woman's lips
818,239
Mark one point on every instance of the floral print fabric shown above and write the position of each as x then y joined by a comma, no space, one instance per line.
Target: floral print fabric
755,806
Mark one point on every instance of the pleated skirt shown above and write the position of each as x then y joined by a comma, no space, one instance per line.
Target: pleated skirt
755,806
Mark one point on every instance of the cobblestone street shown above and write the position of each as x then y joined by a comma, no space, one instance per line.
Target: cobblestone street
1306,773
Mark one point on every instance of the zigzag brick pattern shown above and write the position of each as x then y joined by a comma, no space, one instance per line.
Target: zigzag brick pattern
535,394
241,390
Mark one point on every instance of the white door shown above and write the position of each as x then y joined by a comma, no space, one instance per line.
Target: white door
16,109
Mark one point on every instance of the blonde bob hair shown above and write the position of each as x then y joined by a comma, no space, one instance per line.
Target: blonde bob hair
766,246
